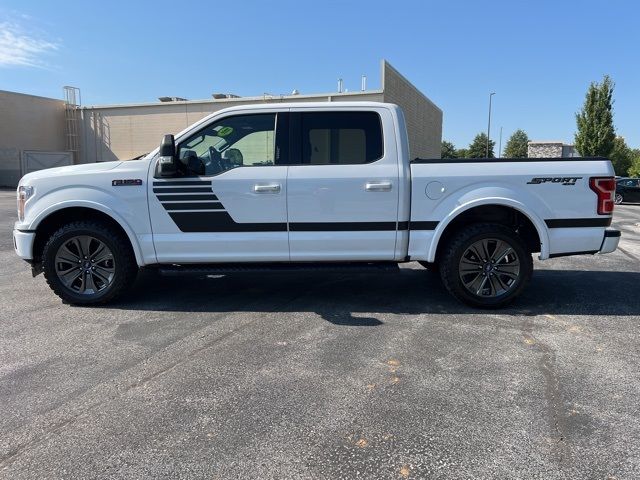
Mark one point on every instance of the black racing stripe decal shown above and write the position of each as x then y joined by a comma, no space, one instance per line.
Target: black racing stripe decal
220,222
578,222
183,190
181,183
176,198
193,206
207,220
422,225
359,226
342,226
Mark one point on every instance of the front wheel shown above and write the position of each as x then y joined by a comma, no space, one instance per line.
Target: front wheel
486,265
87,263
618,198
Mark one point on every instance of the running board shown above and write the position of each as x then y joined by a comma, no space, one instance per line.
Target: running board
234,268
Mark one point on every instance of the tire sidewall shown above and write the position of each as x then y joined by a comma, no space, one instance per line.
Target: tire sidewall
459,290
49,255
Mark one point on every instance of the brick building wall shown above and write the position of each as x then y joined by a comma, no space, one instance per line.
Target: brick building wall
550,150
423,117
544,149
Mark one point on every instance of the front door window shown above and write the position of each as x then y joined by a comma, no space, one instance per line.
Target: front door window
240,141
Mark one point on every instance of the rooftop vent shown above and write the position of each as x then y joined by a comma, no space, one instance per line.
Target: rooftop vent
219,96
172,99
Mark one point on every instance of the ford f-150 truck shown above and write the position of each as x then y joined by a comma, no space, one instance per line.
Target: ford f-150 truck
286,186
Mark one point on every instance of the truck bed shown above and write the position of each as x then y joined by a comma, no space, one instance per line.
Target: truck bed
553,193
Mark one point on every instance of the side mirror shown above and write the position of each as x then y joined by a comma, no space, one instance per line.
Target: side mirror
167,162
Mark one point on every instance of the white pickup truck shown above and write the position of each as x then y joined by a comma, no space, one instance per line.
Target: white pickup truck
289,186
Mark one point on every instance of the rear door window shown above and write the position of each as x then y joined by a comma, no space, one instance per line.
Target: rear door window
341,138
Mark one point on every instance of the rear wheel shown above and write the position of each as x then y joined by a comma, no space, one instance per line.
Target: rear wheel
619,198
86,263
486,265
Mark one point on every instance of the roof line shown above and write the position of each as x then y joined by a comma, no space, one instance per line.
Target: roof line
254,99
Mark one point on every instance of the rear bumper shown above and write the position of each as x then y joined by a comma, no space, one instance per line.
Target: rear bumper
610,241
23,244
608,244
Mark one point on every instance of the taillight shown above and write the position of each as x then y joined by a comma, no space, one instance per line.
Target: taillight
605,188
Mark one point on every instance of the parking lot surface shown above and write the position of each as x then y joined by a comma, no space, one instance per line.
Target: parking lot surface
318,375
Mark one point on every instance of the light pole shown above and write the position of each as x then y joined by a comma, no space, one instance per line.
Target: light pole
500,147
489,125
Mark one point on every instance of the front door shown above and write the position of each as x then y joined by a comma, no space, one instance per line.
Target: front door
228,202
343,188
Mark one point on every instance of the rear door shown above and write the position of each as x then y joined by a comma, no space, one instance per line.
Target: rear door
229,201
342,185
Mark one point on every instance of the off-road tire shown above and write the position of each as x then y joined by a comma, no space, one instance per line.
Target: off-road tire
460,243
126,267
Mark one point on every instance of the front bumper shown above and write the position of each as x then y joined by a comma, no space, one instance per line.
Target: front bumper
23,243
610,241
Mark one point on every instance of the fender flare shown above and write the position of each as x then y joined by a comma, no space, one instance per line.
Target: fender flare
92,206
539,225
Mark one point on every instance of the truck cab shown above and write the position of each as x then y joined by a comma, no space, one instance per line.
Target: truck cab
272,185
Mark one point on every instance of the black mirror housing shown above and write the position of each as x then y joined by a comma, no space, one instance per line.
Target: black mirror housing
167,166
168,146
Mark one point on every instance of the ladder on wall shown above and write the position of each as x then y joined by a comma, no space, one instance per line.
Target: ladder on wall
72,102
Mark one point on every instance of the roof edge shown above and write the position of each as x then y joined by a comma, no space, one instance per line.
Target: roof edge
255,99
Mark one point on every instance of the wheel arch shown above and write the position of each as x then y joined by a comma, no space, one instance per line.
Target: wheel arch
50,220
504,211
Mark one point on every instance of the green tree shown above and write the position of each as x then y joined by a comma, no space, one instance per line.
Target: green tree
634,169
448,150
517,145
595,135
462,153
478,148
621,156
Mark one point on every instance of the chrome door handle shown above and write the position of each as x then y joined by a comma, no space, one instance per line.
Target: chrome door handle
270,188
377,186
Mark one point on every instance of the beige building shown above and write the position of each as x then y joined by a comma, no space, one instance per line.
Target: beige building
121,132
28,124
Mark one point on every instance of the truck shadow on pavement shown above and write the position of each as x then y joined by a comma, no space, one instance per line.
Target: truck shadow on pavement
356,299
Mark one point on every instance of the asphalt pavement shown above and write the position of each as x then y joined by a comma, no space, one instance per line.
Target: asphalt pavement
324,376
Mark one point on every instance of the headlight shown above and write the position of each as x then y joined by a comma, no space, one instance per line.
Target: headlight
24,194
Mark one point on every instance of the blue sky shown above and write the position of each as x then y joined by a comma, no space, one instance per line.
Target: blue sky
538,56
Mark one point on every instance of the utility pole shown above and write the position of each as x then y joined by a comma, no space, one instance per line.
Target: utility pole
489,125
